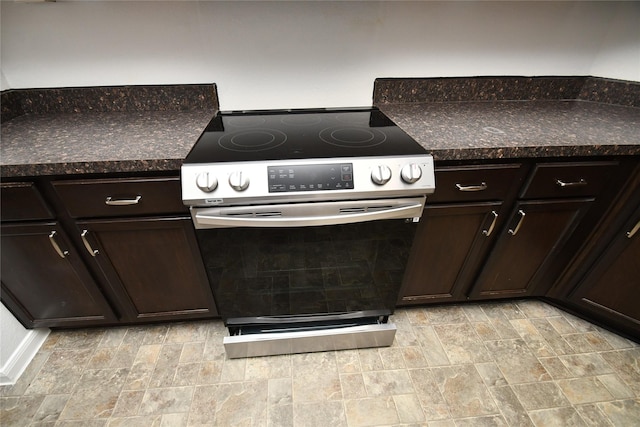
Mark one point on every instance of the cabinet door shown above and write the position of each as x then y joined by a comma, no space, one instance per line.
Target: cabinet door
447,251
44,281
153,266
611,288
534,233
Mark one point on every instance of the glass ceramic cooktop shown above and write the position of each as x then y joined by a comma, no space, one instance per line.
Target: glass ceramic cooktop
300,134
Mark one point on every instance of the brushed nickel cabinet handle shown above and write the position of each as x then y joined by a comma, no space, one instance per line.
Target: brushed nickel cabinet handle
634,230
513,232
52,239
561,183
480,187
493,224
122,202
92,252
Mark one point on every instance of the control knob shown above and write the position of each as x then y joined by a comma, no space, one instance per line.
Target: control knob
411,173
380,174
206,182
238,181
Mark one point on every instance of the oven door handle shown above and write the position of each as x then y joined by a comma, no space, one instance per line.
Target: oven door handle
287,216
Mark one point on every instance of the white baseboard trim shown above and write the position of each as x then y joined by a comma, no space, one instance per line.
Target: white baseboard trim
22,356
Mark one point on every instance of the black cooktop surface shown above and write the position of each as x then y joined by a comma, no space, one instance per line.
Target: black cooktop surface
300,134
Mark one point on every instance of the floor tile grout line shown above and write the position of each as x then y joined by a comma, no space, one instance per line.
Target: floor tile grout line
76,384
493,398
429,369
44,396
155,365
618,376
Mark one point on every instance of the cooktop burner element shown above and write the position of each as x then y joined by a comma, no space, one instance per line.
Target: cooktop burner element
255,139
352,137
280,156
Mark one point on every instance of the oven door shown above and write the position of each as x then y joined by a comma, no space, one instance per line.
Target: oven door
307,269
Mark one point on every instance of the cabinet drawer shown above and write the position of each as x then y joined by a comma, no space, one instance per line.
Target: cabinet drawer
121,197
485,182
21,201
554,180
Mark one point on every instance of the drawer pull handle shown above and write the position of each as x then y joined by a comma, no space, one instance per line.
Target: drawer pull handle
562,183
513,232
481,187
122,202
493,224
92,252
634,230
52,239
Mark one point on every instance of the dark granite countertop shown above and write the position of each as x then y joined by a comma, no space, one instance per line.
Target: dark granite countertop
77,143
152,128
519,129
476,118
102,130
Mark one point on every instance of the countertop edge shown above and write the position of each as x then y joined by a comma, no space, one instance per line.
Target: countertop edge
88,168
547,152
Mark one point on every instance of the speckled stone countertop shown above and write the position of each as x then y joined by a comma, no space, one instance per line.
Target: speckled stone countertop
519,129
152,128
102,130
515,117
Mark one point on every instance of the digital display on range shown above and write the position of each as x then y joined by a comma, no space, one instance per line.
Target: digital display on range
310,177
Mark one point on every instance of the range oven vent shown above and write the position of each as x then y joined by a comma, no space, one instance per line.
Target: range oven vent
271,214
364,209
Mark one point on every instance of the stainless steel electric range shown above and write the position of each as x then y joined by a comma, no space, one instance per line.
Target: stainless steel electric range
305,220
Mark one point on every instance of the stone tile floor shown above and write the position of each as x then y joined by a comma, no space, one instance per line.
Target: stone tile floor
521,363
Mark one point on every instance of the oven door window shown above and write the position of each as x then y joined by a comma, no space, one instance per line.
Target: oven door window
307,270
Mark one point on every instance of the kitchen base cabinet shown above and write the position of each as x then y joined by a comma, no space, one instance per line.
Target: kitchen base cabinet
152,265
546,221
44,281
610,291
536,232
449,244
458,226
467,248
140,241
100,251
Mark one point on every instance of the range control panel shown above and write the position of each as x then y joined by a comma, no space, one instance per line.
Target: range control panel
274,181
313,177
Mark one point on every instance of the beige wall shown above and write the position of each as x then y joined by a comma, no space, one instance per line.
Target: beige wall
310,54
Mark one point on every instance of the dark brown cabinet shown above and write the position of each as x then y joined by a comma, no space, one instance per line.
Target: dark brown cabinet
457,228
610,290
79,252
44,280
609,286
100,251
531,248
21,201
152,265
123,197
137,233
449,244
500,231
534,234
